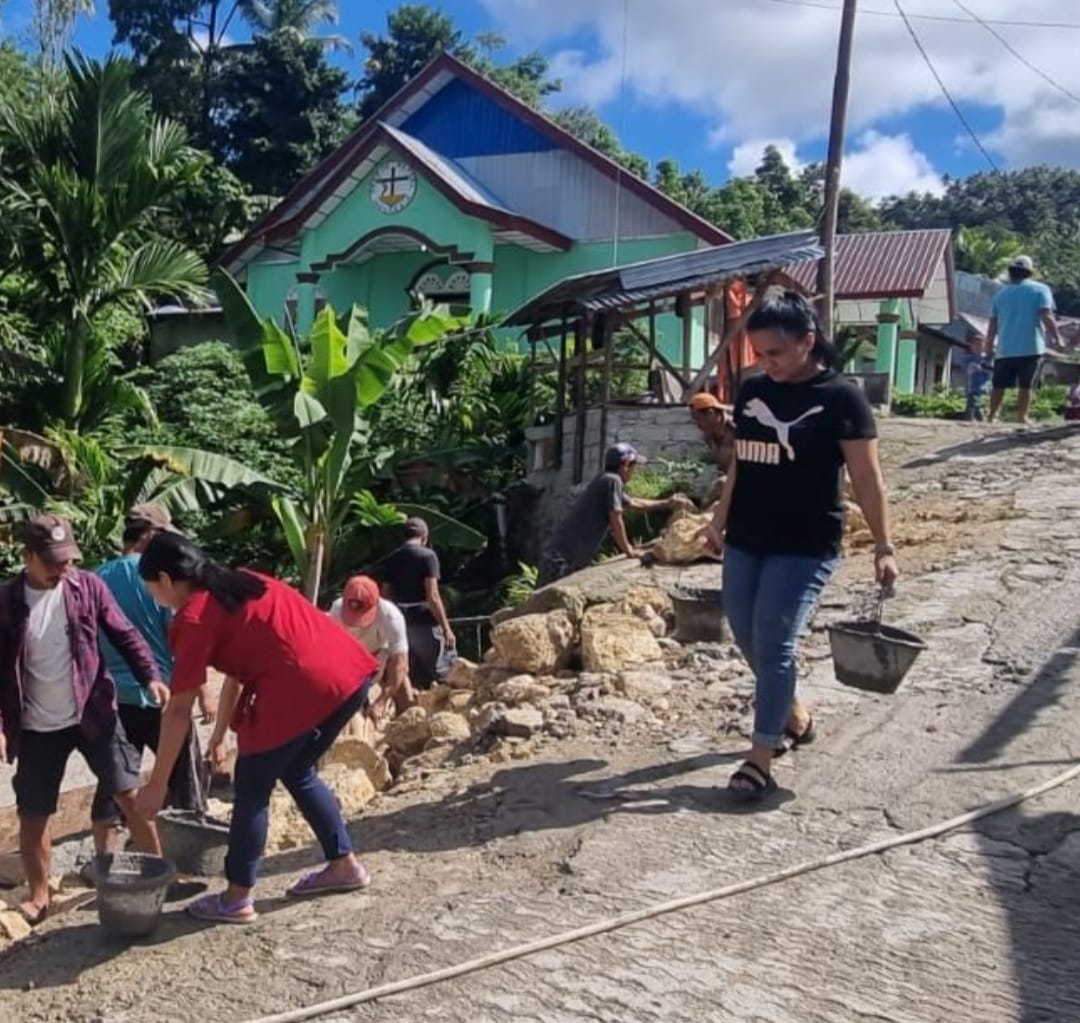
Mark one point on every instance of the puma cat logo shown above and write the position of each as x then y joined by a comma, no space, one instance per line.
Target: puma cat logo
757,409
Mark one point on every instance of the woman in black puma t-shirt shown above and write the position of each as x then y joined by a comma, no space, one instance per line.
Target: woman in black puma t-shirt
781,515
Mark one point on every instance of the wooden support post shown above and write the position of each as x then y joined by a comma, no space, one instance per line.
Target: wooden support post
605,386
686,314
560,399
733,330
581,335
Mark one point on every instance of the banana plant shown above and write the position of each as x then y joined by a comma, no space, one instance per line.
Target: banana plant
315,390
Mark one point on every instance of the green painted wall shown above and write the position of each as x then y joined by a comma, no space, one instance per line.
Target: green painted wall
380,282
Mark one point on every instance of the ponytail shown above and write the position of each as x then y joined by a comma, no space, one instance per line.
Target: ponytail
181,560
791,313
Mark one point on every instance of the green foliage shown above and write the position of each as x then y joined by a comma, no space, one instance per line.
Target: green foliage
296,20
271,137
661,477
86,171
986,250
939,405
517,588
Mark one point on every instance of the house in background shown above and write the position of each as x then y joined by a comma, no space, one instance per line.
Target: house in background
458,192
888,284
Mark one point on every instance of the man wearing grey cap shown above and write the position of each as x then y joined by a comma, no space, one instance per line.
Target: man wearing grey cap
578,537
56,694
1021,317
139,714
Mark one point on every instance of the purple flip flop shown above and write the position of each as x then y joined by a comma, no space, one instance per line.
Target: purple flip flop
313,884
215,909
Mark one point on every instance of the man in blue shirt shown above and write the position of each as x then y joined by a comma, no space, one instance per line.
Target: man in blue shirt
141,717
1021,316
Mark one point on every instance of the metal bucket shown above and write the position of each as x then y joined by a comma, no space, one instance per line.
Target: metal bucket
131,890
194,842
699,615
871,656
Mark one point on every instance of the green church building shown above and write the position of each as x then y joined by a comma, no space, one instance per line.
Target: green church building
458,192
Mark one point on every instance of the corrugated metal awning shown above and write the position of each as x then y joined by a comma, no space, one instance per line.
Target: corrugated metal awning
633,283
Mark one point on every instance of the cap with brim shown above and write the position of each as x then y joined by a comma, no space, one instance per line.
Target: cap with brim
153,516
415,527
50,537
1022,263
363,590
704,400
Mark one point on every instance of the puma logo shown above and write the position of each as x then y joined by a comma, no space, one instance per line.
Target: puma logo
757,409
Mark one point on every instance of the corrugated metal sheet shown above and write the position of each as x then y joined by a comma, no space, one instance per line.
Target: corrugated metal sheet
570,194
884,264
492,129
654,278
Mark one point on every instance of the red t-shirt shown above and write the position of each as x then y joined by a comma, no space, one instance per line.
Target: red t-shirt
296,664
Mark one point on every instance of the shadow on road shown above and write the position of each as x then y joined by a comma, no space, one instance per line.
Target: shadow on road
1043,691
994,444
530,798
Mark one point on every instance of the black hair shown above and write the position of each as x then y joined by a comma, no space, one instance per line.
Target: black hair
1019,273
134,533
790,313
183,561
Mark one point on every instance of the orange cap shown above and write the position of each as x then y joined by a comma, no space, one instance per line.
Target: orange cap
704,400
360,602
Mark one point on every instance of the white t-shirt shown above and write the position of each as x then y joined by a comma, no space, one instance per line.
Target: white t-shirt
384,637
49,690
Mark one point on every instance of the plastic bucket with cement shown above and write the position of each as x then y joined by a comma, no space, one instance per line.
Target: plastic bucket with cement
871,656
699,615
194,842
131,890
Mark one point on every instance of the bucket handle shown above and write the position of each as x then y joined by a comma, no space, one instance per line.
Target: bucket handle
884,593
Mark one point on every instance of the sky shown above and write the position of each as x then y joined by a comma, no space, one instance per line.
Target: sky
709,83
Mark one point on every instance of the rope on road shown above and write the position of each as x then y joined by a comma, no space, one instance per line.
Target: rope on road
485,962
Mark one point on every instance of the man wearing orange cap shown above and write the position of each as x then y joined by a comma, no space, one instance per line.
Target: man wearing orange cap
380,627
716,422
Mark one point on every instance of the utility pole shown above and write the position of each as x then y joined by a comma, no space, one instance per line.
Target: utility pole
825,283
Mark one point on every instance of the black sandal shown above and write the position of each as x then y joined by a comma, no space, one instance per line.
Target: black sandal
797,739
761,783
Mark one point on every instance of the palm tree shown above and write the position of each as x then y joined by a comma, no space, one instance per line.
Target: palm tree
298,18
85,172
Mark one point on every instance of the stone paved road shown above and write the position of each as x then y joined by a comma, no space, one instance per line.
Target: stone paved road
981,926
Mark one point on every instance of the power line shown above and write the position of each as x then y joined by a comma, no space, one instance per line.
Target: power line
941,85
1019,56
1013,23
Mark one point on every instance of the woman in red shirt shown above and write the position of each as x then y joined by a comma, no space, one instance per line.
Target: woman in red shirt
295,679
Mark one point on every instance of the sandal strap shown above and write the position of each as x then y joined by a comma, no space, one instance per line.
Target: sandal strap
755,775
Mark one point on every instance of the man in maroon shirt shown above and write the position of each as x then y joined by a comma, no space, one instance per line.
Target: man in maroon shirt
56,695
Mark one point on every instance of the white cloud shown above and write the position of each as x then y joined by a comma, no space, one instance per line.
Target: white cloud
881,165
759,69
747,155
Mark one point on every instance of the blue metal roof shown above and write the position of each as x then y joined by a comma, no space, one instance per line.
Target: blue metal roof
628,285
460,121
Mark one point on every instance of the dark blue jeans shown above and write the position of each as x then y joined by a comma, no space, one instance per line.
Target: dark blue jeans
768,599
293,765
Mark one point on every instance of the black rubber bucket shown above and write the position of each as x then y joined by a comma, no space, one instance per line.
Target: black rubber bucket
871,656
699,615
131,891
195,843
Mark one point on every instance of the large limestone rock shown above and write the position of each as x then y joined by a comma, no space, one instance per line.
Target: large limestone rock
462,674
289,830
409,732
520,689
536,644
683,541
448,727
639,600
611,641
556,597
13,927
356,754
644,686
434,699
520,722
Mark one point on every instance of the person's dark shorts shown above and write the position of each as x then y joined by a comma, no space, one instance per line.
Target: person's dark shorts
43,757
142,727
1019,372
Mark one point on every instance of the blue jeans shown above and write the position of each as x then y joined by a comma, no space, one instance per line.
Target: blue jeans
293,765
768,600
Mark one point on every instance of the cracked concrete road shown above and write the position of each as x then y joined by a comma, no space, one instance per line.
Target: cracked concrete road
983,925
